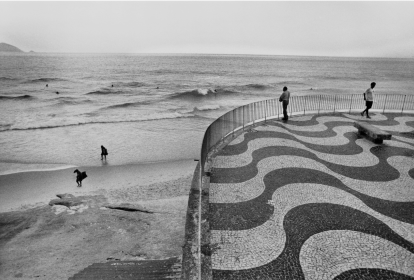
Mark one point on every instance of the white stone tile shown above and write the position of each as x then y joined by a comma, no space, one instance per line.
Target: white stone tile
399,189
354,250
401,127
336,140
374,117
311,128
268,239
237,140
365,158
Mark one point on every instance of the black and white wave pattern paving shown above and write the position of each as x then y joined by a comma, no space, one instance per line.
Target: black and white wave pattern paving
313,199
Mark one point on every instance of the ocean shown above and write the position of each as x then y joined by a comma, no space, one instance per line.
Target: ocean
56,110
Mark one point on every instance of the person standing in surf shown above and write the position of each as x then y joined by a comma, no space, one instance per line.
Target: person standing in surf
104,152
369,99
284,98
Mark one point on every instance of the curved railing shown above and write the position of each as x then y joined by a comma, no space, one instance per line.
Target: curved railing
249,114
195,263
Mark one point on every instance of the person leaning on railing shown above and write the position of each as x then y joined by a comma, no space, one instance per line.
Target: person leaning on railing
369,99
284,98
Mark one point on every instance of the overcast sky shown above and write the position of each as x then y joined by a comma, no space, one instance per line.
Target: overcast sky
382,29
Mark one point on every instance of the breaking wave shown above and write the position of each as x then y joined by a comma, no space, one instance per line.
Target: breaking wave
134,84
45,80
104,91
150,117
7,79
206,108
72,101
129,104
201,93
256,86
288,83
21,97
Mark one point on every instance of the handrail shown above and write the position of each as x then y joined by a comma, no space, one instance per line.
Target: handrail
264,110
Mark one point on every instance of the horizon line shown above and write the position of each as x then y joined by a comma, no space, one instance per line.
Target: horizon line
208,54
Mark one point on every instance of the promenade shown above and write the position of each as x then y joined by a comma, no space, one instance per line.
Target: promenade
313,199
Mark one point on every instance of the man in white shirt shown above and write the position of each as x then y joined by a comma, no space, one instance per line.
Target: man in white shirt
369,99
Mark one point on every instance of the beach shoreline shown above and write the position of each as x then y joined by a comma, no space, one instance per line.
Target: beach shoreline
56,242
23,190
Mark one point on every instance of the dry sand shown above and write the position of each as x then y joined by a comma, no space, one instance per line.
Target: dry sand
44,242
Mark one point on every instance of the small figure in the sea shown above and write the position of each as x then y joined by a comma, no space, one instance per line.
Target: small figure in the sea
112,85
158,87
369,99
284,98
311,89
104,152
47,85
57,92
79,177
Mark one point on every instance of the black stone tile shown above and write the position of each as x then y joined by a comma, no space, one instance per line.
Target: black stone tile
306,220
252,213
372,274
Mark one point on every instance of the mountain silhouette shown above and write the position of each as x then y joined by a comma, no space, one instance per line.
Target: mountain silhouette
8,48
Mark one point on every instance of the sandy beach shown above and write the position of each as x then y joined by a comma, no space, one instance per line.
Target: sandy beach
38,240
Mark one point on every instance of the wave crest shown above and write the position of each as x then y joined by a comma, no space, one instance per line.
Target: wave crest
151,117
45,80
104,91
21,97
134,84
256,86
72,101
128,104
206,108
195,93
7,79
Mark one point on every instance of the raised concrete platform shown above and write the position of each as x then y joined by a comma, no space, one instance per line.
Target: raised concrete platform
312,199
376,134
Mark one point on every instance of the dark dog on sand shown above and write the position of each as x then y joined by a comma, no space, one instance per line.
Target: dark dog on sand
79,177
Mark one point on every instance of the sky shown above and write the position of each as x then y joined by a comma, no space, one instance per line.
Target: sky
327,28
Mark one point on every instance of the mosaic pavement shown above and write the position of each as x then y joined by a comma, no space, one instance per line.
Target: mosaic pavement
313,199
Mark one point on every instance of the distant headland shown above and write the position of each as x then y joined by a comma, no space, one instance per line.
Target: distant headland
8,48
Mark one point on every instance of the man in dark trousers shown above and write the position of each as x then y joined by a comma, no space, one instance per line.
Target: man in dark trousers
369,99
284,98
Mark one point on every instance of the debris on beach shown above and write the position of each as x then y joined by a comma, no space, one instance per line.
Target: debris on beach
128,207
67,201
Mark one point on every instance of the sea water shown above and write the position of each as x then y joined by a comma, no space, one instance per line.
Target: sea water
56,110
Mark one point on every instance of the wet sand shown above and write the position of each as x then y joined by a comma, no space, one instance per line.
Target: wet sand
27,189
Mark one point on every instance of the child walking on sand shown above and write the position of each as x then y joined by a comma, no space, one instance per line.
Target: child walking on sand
104,152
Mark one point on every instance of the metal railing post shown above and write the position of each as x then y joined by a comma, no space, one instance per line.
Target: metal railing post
350,105
334,104
234,112
254,115
402,109
277,107
304,107
265,110
243,118
319,105
385,102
